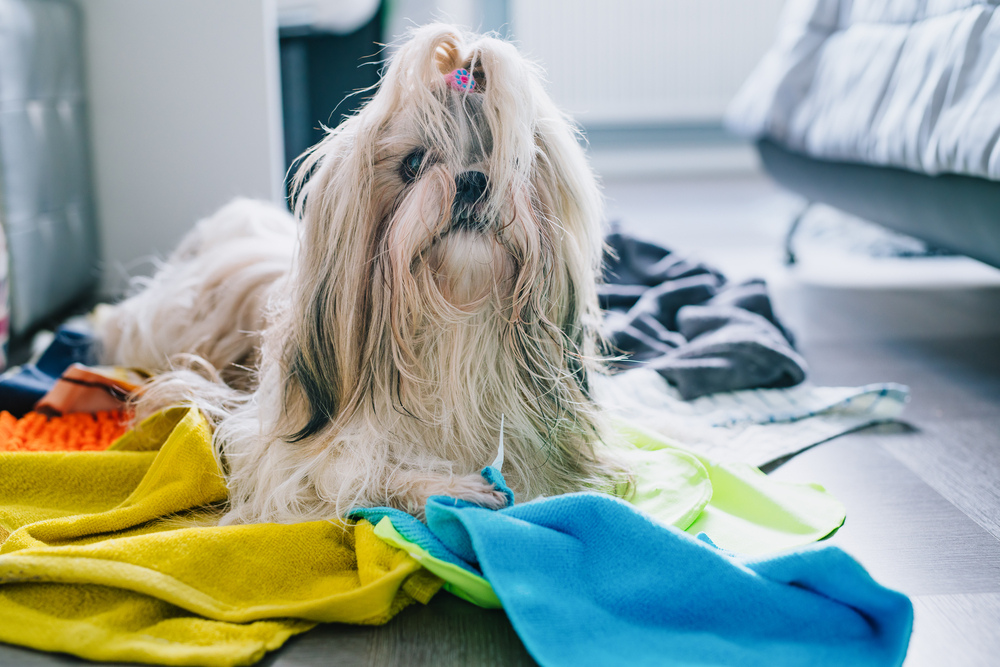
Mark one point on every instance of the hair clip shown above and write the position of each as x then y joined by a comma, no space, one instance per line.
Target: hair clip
461,79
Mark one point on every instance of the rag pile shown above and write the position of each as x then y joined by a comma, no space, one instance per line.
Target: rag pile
116,555
588,581
111,556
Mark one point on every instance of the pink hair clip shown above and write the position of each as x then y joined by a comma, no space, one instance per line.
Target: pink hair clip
461,80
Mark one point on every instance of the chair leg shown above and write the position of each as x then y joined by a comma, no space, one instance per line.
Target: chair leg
790,258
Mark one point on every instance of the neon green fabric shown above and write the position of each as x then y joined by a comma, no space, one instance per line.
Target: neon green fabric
739,507
747,512
668,483
460,582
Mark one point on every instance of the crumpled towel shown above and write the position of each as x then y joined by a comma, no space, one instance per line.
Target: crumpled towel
102,558
587,580
683,320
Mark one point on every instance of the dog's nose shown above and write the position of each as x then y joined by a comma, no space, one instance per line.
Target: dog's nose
470,186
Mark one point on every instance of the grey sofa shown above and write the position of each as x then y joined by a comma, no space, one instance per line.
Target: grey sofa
953,211
46,202
887,110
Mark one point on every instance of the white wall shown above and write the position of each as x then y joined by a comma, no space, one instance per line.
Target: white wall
185,114
645,61
478,15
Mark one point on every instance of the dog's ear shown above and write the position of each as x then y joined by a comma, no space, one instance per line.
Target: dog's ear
474,64
447,55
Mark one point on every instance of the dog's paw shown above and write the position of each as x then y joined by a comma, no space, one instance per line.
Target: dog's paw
470,488
476,490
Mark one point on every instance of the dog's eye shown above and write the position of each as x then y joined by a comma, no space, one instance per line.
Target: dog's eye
411,165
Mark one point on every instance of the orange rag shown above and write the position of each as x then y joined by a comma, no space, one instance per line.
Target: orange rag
77,432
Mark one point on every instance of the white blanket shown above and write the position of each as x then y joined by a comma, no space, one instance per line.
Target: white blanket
755,426
906,83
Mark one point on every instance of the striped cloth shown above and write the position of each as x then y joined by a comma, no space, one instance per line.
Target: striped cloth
755,426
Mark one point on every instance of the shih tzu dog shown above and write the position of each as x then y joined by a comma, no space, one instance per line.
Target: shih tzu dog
442,280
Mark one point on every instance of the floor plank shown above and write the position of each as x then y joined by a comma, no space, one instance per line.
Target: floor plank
960,459
949,378
18,656
448,631
908,536
955,630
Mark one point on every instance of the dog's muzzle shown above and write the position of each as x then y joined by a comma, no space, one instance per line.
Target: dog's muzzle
471,188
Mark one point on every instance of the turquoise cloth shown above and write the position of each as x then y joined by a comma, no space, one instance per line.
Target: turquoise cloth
461,577
588,580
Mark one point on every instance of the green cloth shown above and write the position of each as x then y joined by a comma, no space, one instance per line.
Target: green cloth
740,508
459,581
736,505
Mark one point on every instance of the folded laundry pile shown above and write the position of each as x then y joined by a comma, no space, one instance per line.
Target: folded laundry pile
105,555
682,319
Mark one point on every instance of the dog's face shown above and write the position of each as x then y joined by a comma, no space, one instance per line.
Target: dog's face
445,228
450,250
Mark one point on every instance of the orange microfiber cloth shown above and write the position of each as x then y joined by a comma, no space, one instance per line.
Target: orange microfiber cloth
79,432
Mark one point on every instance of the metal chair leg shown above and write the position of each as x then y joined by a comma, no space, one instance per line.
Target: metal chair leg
790,258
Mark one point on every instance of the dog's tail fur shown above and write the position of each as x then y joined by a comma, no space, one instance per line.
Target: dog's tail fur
194,382
209,299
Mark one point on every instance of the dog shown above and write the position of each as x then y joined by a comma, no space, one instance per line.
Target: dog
438,280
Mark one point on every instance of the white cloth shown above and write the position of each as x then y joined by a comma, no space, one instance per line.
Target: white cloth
755,426
906,83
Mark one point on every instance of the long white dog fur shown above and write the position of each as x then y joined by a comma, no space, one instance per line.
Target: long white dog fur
442,277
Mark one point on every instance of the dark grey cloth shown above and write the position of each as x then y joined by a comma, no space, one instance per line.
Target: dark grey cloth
682,319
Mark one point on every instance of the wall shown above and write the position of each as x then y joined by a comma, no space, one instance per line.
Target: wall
645,62
477,15
185,114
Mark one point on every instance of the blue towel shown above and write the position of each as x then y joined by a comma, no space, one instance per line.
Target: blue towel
588,580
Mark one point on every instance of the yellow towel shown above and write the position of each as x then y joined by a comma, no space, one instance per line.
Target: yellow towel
97,560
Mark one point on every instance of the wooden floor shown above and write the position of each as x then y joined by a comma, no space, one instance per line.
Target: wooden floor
923,498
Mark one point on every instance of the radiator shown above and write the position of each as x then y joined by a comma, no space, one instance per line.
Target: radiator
645,62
